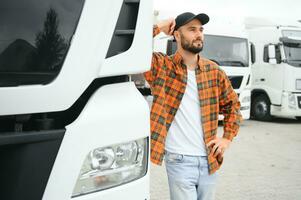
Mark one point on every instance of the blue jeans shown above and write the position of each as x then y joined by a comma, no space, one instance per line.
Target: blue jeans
188,177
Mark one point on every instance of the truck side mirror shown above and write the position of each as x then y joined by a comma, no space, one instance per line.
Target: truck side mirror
273,61
253,53
272,51
269,54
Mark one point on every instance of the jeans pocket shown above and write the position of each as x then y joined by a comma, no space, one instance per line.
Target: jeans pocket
173,158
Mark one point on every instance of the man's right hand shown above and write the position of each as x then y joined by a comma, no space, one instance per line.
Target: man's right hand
167,26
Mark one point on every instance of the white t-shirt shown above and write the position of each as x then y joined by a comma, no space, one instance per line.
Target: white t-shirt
185,135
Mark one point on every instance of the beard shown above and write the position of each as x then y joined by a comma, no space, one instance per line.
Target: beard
186,45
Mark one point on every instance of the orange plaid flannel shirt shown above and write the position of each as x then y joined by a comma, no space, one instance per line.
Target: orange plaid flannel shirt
168,78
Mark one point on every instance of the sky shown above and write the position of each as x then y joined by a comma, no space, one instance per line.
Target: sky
272,9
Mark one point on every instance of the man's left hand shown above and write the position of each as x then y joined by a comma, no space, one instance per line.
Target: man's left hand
219,145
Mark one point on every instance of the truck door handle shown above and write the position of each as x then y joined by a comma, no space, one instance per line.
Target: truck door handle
262,79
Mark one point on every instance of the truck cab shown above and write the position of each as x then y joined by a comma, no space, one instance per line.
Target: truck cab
276,73
72,124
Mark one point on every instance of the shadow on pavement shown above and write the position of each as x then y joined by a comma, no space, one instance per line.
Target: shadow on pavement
274,120
281,121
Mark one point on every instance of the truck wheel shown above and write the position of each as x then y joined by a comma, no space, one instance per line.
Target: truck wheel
298,118
261,108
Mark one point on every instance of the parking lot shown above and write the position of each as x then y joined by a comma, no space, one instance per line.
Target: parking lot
263,162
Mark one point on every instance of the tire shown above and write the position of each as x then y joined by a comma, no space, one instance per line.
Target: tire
298,118
261,107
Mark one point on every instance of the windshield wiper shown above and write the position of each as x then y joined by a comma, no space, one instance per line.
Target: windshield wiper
233,62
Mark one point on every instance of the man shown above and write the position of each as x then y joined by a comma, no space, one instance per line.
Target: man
189,92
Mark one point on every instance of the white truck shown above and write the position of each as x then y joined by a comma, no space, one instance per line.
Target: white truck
72,125
276,73
227,44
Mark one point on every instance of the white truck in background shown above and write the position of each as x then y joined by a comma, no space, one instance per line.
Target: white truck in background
276,73
72,125
227,44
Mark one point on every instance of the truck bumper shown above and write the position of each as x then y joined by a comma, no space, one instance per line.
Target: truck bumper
136,190
290,106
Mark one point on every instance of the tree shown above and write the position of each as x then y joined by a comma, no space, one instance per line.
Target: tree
51,46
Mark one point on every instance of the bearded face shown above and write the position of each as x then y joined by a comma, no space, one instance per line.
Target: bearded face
194,46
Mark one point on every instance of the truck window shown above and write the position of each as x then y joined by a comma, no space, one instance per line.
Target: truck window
34,39
226,51
265,53
278,53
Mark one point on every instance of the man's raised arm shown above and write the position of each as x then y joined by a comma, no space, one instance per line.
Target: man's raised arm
167,27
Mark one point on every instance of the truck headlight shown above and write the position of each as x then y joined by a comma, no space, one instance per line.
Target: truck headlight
291,100
298,84
110,166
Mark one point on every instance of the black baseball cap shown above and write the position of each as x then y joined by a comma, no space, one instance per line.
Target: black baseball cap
186,17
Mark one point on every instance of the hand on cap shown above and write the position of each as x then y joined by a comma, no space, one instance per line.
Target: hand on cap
167,26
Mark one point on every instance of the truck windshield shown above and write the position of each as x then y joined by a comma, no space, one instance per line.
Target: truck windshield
293,54
292,48
34,39
226,51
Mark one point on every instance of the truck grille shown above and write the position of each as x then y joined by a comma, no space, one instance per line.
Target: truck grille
123,36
